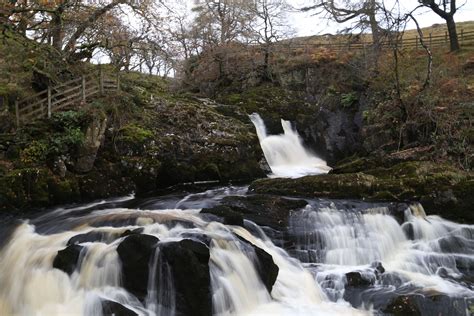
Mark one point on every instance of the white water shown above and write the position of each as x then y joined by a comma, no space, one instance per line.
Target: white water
285,153
346,241
330,240
30,286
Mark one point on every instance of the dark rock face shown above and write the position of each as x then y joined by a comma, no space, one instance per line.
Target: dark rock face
228,216
189,262
135,253
264,210
334,134
266,267
68,259
111,308
403,305
356,279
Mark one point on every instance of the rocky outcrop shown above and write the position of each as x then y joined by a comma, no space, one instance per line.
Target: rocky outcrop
67,259
266,267
264,210
135,253
441,189
189,262
87,152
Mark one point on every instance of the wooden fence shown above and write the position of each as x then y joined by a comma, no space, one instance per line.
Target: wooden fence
465,38
58,97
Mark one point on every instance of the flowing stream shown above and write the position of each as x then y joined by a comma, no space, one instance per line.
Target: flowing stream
285,153
337,258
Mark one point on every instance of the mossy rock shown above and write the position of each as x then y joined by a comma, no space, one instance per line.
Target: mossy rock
441,188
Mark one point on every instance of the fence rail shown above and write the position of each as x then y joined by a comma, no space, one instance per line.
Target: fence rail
58,97
465,38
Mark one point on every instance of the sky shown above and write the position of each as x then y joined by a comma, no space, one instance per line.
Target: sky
305,24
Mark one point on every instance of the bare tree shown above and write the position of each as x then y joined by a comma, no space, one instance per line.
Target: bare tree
445,9
270,25
363,12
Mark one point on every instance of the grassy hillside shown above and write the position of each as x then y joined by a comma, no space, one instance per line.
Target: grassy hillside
436,30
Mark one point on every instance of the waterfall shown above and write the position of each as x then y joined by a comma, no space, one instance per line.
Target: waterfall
424,252
285,153
327,243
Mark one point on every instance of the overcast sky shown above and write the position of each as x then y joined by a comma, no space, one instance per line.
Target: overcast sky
305,24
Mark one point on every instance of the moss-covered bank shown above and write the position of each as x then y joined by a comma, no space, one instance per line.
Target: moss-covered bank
441,189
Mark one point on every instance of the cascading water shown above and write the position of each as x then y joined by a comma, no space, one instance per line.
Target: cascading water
30,284
285,153
340,258
425,256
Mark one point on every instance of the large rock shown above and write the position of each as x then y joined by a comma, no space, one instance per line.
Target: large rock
264,210
440,188
87,152
135,253
189,263
266,267
67,259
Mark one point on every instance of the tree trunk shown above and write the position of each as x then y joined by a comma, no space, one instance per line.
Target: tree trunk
57,33
374,24
453,35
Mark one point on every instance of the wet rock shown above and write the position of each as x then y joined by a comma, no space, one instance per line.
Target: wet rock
68,259
266,267
93,236
135,253
403,305
356,279
441,189
111,308
409,231
378,267
189,262
264,210
455,244
129,232
228,216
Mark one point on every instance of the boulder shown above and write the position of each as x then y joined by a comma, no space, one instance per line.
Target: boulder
135,253
264,210
189,262
229,217
266,267
68,259
356,279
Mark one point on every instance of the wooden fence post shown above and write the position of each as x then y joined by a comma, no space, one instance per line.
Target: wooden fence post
118,81
416,42
462,36
431,39
445,36
83,88
17,113
49,101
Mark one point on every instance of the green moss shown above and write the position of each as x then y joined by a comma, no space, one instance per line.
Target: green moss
36,152
132,133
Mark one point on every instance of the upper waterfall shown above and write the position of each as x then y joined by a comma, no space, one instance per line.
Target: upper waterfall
285,153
